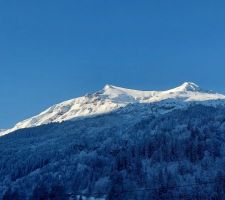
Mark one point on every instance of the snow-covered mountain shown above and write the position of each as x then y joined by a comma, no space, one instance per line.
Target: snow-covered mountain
155,146
112,97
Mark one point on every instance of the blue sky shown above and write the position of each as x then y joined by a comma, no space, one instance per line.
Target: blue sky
55,50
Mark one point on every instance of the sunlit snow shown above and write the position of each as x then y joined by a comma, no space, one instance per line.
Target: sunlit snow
111,98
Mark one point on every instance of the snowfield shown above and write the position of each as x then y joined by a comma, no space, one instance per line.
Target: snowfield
111,98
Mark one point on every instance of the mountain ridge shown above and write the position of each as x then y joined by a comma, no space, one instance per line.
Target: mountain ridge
113,97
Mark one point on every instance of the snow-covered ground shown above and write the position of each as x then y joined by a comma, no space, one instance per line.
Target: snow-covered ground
111,98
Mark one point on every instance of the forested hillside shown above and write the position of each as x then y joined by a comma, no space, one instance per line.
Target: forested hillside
128,154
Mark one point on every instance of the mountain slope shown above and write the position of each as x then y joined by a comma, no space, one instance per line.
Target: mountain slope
179,155
111,98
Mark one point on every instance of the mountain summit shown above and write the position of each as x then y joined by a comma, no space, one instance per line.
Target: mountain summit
188,86
111,98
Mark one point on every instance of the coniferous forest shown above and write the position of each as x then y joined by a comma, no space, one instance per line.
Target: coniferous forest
129,154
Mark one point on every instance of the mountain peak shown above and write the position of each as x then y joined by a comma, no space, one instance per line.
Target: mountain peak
112,97
108,86
188,87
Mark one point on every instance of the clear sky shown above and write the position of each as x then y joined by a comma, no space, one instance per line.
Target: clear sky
54,50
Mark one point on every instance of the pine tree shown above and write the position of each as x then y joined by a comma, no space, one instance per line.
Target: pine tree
58,193
40,192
